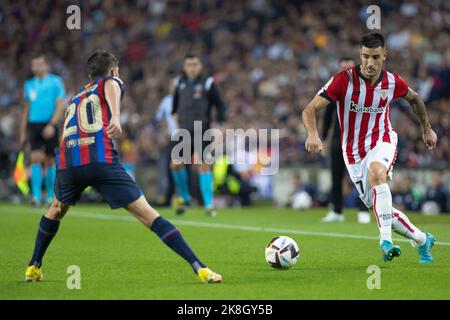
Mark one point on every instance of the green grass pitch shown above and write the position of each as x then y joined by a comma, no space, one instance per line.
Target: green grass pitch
121,259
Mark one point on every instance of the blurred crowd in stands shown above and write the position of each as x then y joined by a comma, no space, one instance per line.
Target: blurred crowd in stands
268,59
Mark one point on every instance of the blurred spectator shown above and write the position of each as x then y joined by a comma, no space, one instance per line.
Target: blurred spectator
437,196
404,196
302,196
351,195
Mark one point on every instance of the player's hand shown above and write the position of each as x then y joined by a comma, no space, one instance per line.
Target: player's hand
313,143
48,131
429,138
114,129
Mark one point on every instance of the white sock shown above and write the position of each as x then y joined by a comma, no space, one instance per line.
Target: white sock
404,227
382,205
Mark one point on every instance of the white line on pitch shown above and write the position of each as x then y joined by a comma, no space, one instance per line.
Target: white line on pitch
101,216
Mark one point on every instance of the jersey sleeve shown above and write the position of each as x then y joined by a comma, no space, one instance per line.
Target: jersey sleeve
119,82
216,100
334,89
401,88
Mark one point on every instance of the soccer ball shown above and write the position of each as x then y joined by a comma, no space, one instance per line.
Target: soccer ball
282,252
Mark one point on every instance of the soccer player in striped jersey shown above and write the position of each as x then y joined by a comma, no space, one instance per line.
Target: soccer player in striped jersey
88,157
363,95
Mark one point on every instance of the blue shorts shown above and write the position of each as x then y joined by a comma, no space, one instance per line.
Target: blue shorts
110,179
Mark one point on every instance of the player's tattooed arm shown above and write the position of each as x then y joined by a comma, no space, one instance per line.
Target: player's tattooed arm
418,106
313,143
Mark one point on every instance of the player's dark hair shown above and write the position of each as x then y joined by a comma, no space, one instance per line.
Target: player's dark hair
39,55
346,58
372,40
99,63
192,56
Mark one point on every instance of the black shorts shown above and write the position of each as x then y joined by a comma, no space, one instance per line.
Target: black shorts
110,179
198,148
38,142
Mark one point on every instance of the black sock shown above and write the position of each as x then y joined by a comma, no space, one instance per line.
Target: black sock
46,232
170,235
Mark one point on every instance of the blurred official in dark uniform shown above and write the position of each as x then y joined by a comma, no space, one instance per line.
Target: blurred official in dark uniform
195,94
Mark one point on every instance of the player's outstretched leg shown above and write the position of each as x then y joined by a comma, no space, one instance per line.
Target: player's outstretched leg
425,241
170,235
48,226
181,179
382,205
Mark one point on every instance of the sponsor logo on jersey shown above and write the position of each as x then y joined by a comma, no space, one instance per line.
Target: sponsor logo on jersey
198,90
72,143
33,95
385,216
356,108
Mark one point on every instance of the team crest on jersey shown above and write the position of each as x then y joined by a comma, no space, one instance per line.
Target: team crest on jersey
383,94
198,91
33,95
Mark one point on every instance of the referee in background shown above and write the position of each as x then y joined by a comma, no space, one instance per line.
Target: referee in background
337,161
195,94
168,126
44,103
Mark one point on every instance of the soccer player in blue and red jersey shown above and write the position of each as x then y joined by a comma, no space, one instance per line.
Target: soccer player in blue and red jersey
88,157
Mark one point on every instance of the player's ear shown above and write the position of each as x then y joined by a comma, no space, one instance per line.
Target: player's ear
114,72
384,54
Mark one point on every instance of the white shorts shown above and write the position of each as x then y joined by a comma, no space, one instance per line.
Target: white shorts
384,153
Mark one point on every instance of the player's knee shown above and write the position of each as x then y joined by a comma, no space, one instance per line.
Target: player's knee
377,174
56,210
50,161
203,167
175,166
36,157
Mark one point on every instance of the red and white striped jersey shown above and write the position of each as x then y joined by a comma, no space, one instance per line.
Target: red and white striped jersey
363,109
